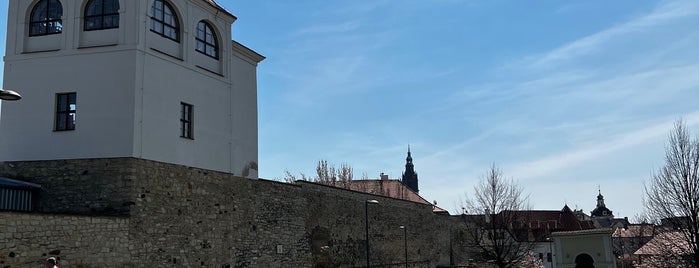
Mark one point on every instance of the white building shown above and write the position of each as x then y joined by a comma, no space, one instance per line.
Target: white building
152,79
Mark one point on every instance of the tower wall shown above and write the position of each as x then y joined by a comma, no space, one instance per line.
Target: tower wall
130,83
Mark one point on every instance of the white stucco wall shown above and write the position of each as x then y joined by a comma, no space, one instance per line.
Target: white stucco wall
129,84
544,248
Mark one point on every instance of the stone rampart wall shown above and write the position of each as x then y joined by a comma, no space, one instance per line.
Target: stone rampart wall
178,216
88,186
28,239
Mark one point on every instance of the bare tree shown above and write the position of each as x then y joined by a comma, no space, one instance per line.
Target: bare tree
326,174
291,178
345,175
502,236
673,191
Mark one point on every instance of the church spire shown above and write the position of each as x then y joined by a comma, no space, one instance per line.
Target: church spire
409,175
601,210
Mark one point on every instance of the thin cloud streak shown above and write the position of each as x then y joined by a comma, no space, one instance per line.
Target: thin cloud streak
551,165
667,12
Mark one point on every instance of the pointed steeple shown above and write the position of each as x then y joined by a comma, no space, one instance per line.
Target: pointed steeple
409,175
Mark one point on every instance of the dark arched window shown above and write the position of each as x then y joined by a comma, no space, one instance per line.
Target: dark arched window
164,20
101,14
45,18
206,40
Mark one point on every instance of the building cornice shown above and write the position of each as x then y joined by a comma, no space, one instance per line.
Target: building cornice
220,8
247,54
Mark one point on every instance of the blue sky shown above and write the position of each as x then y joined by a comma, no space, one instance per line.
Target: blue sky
564,96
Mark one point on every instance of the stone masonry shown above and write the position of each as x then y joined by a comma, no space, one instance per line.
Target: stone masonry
140,213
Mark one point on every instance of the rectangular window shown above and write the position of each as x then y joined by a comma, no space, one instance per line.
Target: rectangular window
548,257
186,120
65,111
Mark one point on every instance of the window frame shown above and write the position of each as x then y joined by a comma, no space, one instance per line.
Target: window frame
100,16
162,23
186,120
203,40
46,23
65,114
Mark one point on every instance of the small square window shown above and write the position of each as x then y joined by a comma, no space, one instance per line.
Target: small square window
65,111
186,120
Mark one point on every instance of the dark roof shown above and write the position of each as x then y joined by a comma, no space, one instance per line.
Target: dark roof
15,184
600,212
536,225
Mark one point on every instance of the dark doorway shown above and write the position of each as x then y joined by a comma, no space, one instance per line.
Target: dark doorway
584,261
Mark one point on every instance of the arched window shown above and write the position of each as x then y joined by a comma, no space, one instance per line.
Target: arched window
45,18
206,40
164,20
101,14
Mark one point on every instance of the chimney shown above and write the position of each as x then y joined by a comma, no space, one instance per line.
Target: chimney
487,215
383,177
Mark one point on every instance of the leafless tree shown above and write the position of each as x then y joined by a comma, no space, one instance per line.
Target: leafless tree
345,175
291,178
326,174
673,191
502,235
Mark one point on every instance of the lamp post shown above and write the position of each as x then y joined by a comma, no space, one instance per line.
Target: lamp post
366,220
405,239
551,251
9,95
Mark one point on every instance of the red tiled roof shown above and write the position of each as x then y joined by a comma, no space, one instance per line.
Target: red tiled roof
671,242
389,188
635,230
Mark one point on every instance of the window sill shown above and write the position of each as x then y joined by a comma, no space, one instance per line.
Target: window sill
41,51
166,54
210,71
96,46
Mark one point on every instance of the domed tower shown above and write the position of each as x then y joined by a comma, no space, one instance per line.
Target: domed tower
409,175
601,215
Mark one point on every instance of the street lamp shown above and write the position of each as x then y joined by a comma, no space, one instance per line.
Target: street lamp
9,95
366,220
550,251
405,239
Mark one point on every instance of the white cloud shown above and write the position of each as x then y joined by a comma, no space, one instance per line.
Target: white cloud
666,13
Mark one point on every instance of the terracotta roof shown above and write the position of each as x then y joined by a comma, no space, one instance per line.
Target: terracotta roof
389,188
671,242
635,230
583,232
